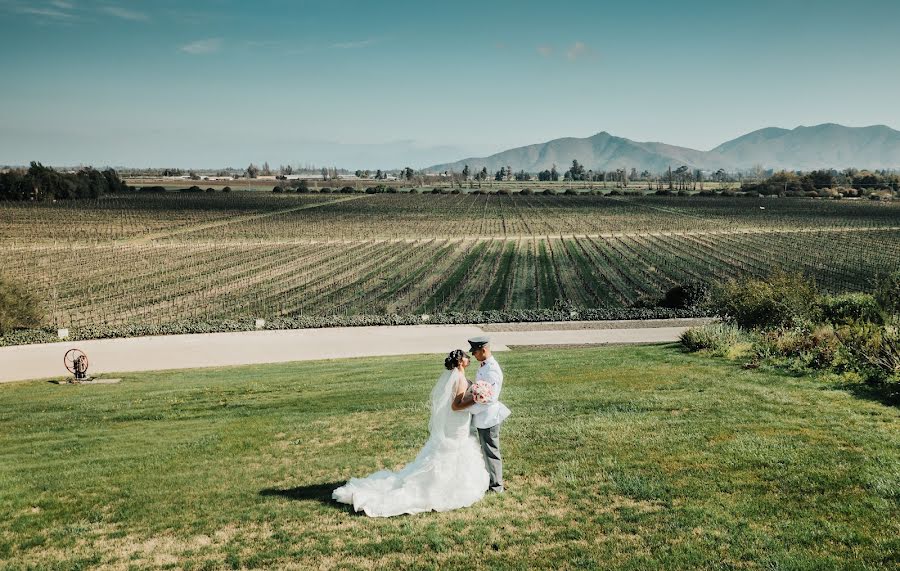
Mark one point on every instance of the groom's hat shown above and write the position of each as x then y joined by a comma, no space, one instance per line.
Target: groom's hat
478,342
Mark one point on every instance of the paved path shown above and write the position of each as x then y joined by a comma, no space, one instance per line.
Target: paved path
222,349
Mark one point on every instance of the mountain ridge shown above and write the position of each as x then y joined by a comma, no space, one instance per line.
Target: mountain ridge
827,145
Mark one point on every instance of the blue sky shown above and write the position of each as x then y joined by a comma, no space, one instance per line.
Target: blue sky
366,84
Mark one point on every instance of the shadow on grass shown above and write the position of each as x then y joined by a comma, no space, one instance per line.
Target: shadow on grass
886,394
315,493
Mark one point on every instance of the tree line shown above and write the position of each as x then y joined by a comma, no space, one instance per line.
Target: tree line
39,182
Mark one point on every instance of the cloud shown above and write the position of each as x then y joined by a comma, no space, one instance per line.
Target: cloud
579,50
545,50
52,13
354,45
202,47
125,13
62,5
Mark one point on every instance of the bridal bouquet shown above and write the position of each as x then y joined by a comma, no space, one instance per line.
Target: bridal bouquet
482,392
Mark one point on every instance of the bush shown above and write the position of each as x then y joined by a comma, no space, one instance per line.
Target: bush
876,349
435,191
716,337
19,308
887,293
571,192
348,190
526,192
278,189
780,301
503,192
326,190
849,308
226,189
549,192
210,189
816,347
689,295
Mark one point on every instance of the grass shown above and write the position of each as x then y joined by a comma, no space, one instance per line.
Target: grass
615,458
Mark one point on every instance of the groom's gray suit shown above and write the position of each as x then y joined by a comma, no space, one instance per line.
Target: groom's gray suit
487,417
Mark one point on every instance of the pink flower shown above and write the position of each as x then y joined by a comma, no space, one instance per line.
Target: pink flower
482,392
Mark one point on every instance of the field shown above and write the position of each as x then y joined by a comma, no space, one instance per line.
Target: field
663,461
161,258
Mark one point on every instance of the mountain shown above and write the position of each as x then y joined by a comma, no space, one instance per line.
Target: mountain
803,148
600,152
809,148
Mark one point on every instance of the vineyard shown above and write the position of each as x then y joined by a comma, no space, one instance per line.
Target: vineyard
161,258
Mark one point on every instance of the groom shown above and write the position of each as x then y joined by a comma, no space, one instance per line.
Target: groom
488,416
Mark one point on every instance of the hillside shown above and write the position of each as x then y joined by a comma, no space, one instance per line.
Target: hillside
804,148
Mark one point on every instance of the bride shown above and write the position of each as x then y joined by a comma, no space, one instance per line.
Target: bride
449,471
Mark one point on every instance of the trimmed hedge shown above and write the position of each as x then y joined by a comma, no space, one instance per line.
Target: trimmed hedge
48,335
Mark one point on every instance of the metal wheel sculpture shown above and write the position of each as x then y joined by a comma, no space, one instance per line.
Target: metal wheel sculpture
76,362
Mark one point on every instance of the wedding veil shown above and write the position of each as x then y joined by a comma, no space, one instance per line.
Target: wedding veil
441,398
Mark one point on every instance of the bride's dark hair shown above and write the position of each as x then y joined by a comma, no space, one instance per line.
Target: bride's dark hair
454,359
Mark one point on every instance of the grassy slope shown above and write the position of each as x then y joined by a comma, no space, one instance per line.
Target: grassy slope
628,458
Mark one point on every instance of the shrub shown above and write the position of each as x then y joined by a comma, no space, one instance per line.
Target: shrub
849,308
887,293
549,192
689,295
348,190
226,189
210,189
615,192
503,191
435,191
526,192
815,347
875,348
781,300
570,192
455,191
716,337
326,190
278,189
19,308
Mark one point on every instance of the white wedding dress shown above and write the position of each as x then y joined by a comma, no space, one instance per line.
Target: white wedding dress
448,472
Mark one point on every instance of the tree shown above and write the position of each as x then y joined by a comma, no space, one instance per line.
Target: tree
576,172
266,171
466,172
483,174
252,171
554,174
324,173
286,170
408,173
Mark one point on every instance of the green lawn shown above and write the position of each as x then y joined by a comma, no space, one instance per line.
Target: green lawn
622,457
